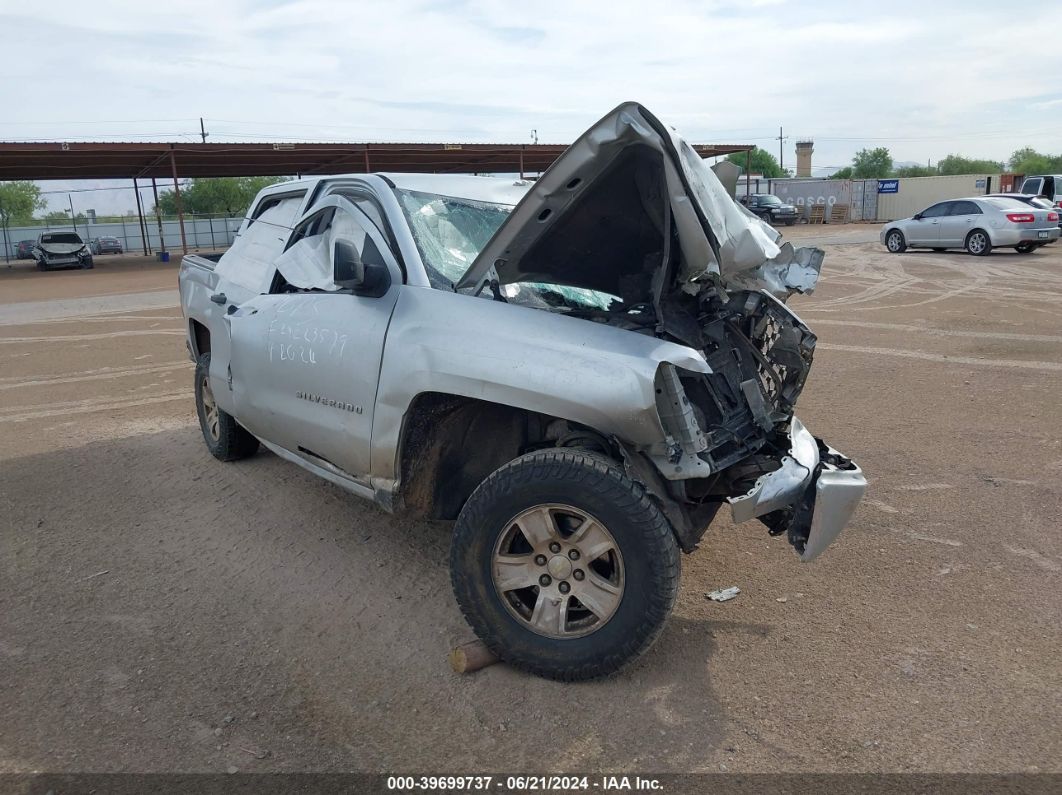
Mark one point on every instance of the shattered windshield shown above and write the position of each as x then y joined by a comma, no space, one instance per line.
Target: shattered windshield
450,232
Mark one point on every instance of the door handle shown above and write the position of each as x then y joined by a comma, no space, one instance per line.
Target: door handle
218,298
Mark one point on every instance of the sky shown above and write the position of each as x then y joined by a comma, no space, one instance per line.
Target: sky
925,79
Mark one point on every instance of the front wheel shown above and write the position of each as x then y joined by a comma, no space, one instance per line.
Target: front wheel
978,243
225,438
87,264
895,242
563,565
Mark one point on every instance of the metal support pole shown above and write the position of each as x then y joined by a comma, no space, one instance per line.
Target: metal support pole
140,218
158,214
213,244
748,170
368,169
73,219
7,242
180,208
521,161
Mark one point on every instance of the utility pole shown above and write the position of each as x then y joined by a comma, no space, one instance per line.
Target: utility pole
73,220
781,158
202,129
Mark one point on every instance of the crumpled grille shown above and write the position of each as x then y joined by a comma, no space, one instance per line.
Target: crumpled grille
785,348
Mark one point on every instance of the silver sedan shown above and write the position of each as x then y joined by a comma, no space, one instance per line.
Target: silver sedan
977,224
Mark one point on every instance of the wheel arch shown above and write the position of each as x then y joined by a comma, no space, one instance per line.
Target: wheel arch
450,443
199,338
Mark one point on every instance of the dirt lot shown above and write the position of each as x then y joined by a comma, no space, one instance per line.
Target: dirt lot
164,611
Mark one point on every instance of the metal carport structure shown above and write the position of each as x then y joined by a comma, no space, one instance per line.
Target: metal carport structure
146,160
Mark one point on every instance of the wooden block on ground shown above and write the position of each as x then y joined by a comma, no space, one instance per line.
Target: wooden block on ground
472,656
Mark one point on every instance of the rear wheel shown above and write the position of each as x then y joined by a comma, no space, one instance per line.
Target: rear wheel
563,565
978,243
895,242
225,438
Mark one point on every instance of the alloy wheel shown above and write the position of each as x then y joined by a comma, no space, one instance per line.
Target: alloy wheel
210,409
558,571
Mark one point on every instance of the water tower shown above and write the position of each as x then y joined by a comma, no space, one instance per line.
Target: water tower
804,150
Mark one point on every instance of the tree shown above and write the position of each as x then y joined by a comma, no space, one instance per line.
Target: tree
219,195
872,163
760,162
60,217
842,173
915,171
18,202
957,164
1028,161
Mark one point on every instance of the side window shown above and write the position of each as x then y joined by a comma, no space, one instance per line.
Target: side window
964,208
308,262
249,261
936,211
1032,185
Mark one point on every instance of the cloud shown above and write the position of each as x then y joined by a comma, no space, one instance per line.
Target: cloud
849,74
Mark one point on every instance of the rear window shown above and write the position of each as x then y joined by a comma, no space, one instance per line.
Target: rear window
1005,203
61,237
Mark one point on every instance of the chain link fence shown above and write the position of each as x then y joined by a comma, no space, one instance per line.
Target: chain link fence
201,232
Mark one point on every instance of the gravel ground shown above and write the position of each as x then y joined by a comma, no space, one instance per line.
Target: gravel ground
162,611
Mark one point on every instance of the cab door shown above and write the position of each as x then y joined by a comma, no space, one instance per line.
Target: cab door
306,357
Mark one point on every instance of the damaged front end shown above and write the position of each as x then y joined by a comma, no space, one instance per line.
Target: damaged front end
630,228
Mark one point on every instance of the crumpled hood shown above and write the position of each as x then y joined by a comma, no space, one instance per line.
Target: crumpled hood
605,194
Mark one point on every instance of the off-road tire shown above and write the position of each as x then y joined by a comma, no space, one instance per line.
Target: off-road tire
594,484
232,442
895,242
971,244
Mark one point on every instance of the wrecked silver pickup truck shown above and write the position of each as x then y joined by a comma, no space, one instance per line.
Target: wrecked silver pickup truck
579,371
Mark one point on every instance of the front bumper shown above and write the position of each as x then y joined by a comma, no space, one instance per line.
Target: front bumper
811,496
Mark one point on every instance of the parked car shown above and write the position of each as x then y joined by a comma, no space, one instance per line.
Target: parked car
770,208
580,371
1048,186
61,250
977,224
106,245
24,249
1027,198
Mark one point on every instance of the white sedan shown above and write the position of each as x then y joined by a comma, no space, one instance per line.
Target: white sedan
977,224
